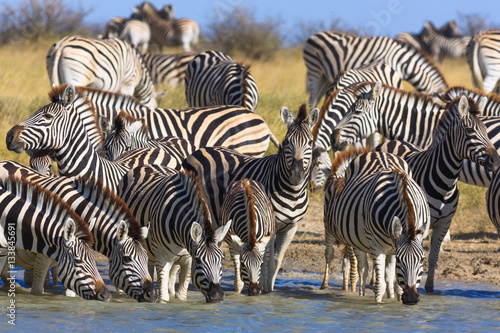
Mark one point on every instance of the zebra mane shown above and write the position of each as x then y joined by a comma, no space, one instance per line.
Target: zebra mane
123,119
56,93
47,201
245,76
402,182
344,157
450,112
192,184
322,113
302,114
95,190
427,58
458,90
358,88
112,96
251,215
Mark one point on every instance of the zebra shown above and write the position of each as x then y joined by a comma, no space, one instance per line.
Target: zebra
58,127
459,135
116,232
378,208
284,176
167,67
251,238
35,219
450,29
110,64
214,78
491,108
335,107
483,57
230,126
441,46
41,161
493,201
180,229
131,133
167,12
172,32
413,40
113,28
326,53
136,33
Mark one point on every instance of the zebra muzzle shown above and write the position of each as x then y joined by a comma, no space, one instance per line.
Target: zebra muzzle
254,289
493,161
215,293
410,295
149,292
102,293
13,140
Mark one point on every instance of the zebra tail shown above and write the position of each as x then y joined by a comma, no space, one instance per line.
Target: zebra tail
473,59
274,139
52,67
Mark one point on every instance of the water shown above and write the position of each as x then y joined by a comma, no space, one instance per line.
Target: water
296,305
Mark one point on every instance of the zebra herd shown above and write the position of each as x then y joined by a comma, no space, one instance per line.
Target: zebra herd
156,189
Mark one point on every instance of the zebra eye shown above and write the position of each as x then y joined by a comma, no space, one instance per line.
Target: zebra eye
78,261
470,130
48,116
127,259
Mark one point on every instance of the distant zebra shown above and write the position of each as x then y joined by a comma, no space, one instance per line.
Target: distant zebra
493,201
230,126
251,237
167,12
214,78
117,234
441,46
414,40
169,68
327,53
136,33
109,64
378,208
450,29
180,229
113,28
460,135
35,219
284,176
172,32
130,133
58,127
334,109
483,55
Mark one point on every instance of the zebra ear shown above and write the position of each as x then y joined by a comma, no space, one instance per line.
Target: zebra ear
222,231
145,230
313,117
463,105
377,89
196,232
69,95
134,127
236,240
397,228
481,104
69,231
92,223
122,230
104,123
286,116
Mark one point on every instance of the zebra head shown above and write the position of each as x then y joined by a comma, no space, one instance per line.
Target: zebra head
76,265
298,142
128,264
361,119
125,135
50,127
206,268
470,137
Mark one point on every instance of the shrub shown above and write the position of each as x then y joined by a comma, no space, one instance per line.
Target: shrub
33,19
235,31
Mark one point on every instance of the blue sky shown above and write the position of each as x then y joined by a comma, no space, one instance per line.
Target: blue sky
378,17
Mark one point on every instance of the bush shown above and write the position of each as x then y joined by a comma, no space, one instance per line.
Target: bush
235,31
33,19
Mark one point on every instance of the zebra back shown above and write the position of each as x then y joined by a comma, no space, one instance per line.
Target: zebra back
482,57
47,225
441,46
492,106
167,67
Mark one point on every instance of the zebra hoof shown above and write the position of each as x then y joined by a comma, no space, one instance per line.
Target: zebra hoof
324,286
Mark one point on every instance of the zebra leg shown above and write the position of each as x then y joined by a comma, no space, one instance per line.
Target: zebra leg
267,268
329,240
390,272
346,270
184,277
379,265
235,257
172,278
489,83
55,275
283,239
353,275
163,271
362,270
439,231
40,270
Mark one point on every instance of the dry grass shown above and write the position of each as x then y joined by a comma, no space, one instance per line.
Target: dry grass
24,86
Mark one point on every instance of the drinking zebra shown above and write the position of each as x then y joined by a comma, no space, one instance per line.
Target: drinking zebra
117,234
130,133
109,64
441,46
171,32
58,127
37,220
214,78
327,53
284,176
169,68
483,56
378,208
336,104
459,135
251,238
180,229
